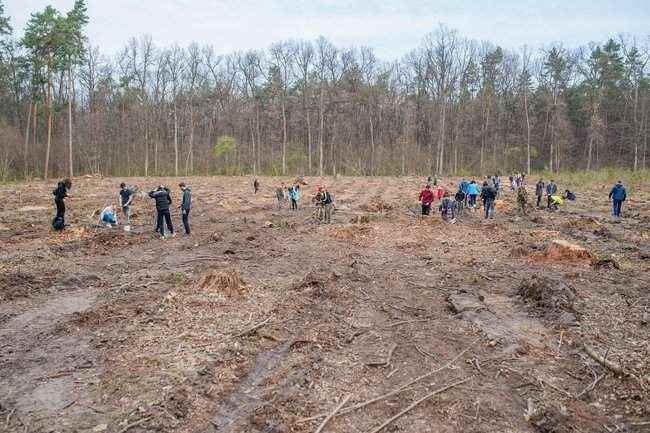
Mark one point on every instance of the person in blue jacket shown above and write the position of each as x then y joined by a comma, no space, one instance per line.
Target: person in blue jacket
617,195
472,193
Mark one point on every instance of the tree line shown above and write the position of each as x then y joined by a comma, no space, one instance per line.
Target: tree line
450,105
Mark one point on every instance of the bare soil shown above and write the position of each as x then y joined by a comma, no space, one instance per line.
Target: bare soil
264,320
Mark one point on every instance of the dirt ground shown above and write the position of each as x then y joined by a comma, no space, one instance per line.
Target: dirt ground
266,321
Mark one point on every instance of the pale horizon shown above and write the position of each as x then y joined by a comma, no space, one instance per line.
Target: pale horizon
392,28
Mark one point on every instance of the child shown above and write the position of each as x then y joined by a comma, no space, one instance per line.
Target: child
569,195
460,201
426,198
107,216
447,209
472,193
555,201
293,197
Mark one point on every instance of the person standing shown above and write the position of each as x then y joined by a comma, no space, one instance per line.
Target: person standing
327,201
551,190
279,195
186,206
126,198
256,186
617,195
522,199
163,199
488,195
426,198
293,198
60,193
539,191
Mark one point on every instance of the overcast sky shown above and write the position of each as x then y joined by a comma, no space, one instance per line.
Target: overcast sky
391,27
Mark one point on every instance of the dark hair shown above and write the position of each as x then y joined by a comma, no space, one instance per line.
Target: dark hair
67,183
484,183
182,184
122,185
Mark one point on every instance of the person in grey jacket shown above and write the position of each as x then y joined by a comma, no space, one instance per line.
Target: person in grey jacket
186,205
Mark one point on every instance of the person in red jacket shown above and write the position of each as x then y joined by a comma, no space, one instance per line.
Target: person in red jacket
426,198
439,192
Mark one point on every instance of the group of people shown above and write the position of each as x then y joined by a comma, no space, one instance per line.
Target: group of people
108,215
293,195
323,200
469,192
466,197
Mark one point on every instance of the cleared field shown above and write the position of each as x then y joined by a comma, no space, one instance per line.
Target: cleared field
266,321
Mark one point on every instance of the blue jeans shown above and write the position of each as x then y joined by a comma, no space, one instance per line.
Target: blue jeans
616,207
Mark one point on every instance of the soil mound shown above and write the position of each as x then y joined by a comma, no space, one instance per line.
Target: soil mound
563,250
548,298
228,282
376,204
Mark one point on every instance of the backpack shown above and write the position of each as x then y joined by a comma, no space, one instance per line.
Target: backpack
57,223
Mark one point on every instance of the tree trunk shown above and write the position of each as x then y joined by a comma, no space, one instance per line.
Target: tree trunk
527,131
49,127
320,133
284,138
70,96
372,145
175,141
309,150
441,138
26,150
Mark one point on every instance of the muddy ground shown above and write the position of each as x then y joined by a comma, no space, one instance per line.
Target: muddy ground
265,321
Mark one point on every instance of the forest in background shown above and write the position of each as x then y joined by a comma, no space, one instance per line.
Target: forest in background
451,105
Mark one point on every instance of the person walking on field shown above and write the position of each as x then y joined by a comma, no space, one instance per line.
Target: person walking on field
186,206
488,195
426,198
447,209
327,202
256,186
126,199
460,201
60,193
617,195
539,191
551,190
522,199
163,200
472,193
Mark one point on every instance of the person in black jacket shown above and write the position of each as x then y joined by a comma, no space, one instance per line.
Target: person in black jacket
163,199
488,194
60,193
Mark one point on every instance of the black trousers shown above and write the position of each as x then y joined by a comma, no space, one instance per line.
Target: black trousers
60,208
186,220
164,214
294,204
539,200
426,209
